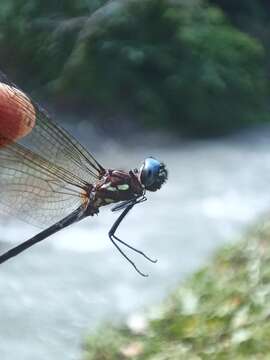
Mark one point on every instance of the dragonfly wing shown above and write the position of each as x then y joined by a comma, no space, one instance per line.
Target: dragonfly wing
54,143
35,190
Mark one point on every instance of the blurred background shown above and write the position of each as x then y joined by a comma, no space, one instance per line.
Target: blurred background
186,81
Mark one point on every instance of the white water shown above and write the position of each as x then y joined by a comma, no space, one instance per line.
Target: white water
54,294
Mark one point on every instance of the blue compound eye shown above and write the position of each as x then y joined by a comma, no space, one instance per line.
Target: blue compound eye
153,174
149,171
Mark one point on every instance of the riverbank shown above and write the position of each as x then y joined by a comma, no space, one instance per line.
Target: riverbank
220,312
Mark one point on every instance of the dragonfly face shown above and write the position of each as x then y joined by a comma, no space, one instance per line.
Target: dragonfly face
153,174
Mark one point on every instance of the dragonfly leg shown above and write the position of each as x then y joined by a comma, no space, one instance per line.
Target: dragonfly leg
127,258
134,249
114,238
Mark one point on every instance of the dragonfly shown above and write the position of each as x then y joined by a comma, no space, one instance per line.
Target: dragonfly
48,179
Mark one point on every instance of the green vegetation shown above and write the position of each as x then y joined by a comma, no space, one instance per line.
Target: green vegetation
176,64
221,312
252,17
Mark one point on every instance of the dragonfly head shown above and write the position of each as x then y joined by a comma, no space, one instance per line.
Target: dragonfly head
152,174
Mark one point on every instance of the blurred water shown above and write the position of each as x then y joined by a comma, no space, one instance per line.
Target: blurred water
55,293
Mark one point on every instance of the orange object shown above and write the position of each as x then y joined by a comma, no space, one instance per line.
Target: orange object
17,114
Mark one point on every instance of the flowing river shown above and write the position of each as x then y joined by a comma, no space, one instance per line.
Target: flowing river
53,295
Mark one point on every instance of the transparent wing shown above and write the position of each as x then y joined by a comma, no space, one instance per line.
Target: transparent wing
46,174
36,190
53,142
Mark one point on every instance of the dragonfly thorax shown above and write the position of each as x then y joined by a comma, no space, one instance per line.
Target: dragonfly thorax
116,186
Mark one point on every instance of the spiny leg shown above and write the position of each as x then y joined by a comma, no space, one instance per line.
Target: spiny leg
113,238
127,258
134,249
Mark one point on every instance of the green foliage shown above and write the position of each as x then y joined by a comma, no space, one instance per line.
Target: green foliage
174,64
38,36
221,312
252,17
244,11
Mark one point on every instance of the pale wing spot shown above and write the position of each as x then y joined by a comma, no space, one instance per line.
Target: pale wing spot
123,187
108,186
